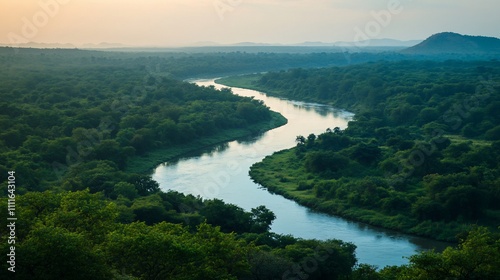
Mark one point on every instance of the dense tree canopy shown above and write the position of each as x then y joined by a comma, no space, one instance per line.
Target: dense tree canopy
72,120
82,122
420,154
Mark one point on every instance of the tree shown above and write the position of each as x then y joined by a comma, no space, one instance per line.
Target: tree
427,209
301,140
366,272
125,189
96,175
313,259
323,161
151,252
149,209
267,265
366,153
262,219
34,207
477,257
428,115
111,150
56,253
493,134
465,201
145,185
229,217
310,140
223,257
85,213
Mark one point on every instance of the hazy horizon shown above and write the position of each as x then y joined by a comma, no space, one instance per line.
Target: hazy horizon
285,22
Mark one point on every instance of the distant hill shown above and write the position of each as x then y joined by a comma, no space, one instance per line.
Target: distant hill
449,42
379,43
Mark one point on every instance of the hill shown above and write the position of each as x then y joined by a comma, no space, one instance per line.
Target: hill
379,43
448,42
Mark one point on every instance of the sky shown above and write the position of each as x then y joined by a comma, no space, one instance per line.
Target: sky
192,22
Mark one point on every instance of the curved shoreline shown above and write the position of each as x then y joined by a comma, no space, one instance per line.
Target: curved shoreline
147,163
278,183
355,214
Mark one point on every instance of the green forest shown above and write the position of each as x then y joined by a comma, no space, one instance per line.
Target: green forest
421,154
80,130
186,63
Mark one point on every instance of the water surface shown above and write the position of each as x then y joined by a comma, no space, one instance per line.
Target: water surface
222,172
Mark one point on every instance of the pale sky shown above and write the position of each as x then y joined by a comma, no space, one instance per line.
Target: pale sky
185,22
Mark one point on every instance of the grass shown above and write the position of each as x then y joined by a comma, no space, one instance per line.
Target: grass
147,162
282,174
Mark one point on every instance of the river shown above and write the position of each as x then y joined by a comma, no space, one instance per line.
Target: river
222,172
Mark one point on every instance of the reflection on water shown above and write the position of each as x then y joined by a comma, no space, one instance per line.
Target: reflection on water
208,151
321,109
250,140
222,172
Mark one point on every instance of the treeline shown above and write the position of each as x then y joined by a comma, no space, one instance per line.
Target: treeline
456,96
421,154
184,63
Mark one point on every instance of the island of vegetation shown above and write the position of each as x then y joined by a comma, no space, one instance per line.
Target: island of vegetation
79,127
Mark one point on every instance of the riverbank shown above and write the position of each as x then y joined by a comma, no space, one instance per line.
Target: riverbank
249,82
282,173
146,163
223,174
362,191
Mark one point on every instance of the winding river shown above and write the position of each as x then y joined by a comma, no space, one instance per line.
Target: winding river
222,172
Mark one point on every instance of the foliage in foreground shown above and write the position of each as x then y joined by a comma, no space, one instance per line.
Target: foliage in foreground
77,235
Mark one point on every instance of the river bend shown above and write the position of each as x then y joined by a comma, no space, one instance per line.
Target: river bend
222,172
